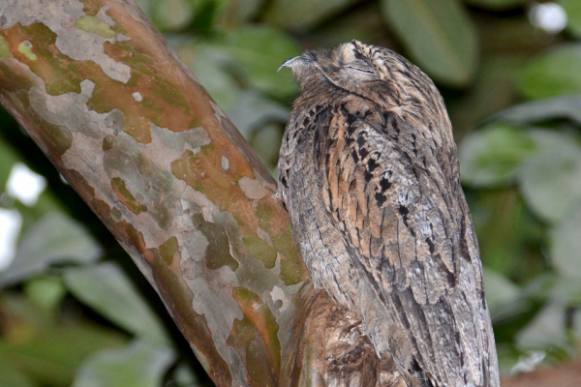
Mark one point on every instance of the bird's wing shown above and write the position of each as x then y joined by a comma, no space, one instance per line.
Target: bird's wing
396,196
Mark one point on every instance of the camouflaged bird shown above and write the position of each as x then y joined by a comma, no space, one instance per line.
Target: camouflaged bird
369,174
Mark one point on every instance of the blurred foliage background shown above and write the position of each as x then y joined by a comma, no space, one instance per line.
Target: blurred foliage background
75,311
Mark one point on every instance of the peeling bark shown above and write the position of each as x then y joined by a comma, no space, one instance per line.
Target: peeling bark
166,171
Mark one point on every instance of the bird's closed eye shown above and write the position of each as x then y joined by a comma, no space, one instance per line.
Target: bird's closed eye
363,69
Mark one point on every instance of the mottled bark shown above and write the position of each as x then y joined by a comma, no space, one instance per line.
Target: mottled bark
145,146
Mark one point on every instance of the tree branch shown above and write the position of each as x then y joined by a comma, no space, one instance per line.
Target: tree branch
145,146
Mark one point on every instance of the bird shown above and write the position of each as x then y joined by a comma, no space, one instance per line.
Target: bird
369,174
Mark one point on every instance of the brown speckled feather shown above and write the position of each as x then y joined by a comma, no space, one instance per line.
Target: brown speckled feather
369,174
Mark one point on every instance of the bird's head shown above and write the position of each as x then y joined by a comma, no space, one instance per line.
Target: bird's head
358,67
345,63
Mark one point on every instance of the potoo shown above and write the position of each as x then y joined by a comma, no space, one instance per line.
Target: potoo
369,174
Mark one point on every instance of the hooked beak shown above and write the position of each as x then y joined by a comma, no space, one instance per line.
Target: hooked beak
292,62
289,63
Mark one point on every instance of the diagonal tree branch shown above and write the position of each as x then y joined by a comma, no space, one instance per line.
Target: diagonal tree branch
164,169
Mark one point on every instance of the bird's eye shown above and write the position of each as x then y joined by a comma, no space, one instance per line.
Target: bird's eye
361,68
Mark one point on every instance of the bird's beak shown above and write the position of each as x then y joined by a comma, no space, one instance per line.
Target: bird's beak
289,63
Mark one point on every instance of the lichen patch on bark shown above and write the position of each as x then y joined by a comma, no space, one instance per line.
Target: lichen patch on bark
94,25
126,197
25,48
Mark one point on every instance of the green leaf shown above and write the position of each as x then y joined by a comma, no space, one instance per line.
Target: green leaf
304,14
239,11
138,365
568,287
253,111
566,243
439,35
184,375
573,10
169,15
577,326
493,155
507,229
12,377
109,291
501,294
491,91
365,23
47,350
551,179
45,291
266,141
547,329
496,4
257,53
8,158
55,238
208,63
567,107
553,73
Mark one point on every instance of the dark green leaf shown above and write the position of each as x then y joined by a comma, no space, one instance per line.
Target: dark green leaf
438,35
566,243
257,53
491,92
266,142
47,351
364,23
553,73
573,10
496,4
551,179
138,365
492,156
8,158
109,291
568,107
240,10
12,377
169,15
507,230
303,14
577,326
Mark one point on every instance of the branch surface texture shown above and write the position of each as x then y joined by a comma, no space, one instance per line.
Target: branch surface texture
145,146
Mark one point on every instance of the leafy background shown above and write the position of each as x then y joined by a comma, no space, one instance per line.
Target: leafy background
75,311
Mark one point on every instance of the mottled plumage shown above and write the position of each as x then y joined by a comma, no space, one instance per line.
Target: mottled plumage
369,174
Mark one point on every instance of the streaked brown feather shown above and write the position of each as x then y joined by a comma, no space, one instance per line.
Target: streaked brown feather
369,174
